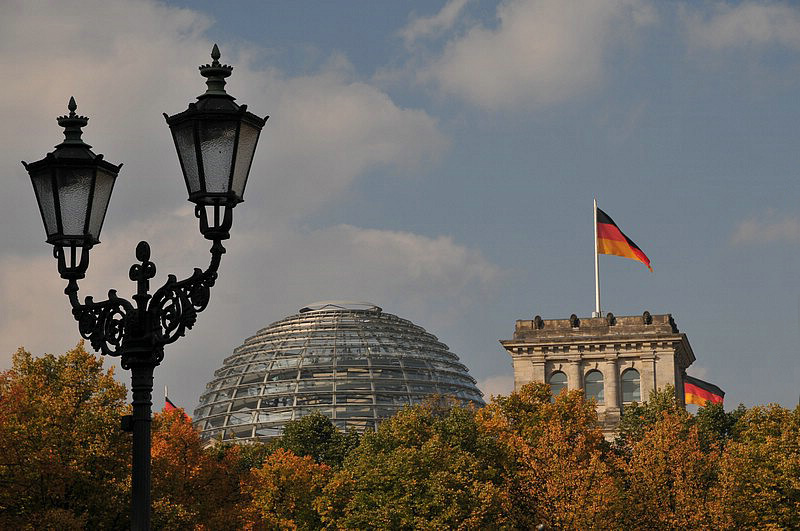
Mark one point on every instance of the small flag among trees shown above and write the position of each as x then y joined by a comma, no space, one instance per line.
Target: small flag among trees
169,406
698,392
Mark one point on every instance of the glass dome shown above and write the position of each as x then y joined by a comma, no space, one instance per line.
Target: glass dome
352,362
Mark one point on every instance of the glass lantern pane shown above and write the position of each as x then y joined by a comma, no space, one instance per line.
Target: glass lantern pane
43,185
216,145
248,136
184,139
102,194
74,186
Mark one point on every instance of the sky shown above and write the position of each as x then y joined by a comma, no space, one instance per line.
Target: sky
436,158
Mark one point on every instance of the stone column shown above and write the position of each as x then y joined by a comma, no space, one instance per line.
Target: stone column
574,376
611,377
538,368
523,368
647,377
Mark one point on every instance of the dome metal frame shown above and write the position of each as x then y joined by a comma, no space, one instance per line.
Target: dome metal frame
352,362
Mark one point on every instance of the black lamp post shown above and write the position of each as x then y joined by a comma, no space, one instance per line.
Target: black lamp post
215,139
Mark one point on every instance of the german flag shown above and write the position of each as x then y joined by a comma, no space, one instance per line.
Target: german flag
699,392
611,240
169,406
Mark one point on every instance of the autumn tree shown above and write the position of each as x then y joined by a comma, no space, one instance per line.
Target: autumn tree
281,493
669,475
64,462
430,466
559,475
759,484
193,487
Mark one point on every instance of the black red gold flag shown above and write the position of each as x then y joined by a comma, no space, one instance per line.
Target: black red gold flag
611,240
169,406
698,392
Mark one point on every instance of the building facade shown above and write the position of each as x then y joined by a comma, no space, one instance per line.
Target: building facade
615,360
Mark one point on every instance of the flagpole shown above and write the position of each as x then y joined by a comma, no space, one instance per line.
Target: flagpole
596,312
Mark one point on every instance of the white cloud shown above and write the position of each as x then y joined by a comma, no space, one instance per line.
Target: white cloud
409,274
767,230
325,129
496,385
266,275
747,24
126,61
421,27
541,52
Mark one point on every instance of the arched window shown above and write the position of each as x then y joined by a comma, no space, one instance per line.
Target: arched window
593,385
558,382
630,386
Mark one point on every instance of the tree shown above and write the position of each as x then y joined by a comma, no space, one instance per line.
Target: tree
428,467
64,462
717,426
636,418
281,493
559,474
669,476
759,485
193,487
315,436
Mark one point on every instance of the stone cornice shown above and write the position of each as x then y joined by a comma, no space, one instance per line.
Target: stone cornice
571,348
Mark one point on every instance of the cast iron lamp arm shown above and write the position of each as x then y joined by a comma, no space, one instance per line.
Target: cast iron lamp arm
102,323
171,311
174,306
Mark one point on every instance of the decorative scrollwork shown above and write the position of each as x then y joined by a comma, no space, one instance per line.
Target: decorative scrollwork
138,334
103,323
175,306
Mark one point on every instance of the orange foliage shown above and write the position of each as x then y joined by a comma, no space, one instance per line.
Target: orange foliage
63,460
281,493
669,477
560,475
191,487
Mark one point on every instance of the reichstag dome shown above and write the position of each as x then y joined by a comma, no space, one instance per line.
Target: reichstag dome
352,362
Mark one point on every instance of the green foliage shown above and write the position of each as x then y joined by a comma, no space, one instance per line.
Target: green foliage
315,436
759,486
64,463
636,417
716,425
428,467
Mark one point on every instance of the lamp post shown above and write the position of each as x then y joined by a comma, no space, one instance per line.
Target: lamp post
215,139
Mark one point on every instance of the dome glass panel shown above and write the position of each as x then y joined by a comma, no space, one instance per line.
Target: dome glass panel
352,362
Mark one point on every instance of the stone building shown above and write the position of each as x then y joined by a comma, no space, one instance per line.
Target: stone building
615,360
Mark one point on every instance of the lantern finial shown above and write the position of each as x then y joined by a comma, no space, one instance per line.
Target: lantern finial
72,125
215,74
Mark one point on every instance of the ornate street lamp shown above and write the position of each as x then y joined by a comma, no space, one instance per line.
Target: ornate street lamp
216,140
